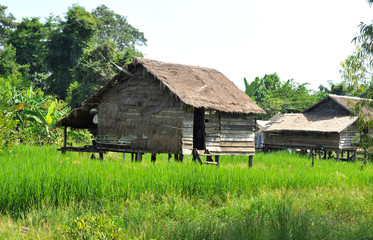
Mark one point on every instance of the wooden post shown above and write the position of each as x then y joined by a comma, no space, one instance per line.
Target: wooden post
338,155
329,154
181,157
324,154
169,156
319,153
132,156
176,157
217,160
101,155
153,157
64,138
342,153
251,161
348,154
355,158
124,156
138,157
313,157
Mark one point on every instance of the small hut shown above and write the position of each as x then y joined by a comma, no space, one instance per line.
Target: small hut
326,126
155,107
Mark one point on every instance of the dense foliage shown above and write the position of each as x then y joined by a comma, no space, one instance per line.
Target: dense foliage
276,97
47,66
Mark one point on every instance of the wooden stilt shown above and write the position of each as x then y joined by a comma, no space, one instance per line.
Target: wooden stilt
64,138
355,158
329,154
319,153
348,154
251,161
217,160
101,155
324,154
124,156
338,155
181,157
313,157
176,157
132,157
342,153
154,157
169,156
138,157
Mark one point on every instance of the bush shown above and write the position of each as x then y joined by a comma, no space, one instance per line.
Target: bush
93,227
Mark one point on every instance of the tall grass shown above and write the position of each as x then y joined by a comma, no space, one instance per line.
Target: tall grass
282,192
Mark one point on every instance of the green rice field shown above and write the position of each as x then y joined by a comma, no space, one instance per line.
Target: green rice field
47,195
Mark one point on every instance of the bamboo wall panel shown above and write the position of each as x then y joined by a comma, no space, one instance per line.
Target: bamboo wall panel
139,114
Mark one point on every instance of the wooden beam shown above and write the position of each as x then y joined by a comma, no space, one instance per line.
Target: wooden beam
313,157
251,161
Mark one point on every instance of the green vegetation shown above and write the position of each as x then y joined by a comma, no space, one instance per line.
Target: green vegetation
44,194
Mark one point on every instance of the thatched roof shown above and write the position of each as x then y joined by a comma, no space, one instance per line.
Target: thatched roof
346,102
200,87
307,122
195,86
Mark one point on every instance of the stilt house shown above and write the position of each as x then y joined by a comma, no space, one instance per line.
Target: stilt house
328,126
155,107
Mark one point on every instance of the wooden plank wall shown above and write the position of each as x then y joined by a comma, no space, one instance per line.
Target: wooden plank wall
346,138
141,113
299,140
237,134
187,130
226,134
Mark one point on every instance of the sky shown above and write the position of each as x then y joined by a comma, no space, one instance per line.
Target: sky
297,39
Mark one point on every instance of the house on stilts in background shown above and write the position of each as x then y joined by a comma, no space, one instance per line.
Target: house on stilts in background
155,107
328,126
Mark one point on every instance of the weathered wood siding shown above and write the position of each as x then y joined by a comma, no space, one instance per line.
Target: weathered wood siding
141,115
300,140
237,133
226,134
187,130
347,138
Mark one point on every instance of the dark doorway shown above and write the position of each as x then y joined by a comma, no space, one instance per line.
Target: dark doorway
199,133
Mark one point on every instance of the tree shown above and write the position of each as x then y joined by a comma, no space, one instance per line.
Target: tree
11,71
276,97
65,46
114,27
28,39
357,70
7,23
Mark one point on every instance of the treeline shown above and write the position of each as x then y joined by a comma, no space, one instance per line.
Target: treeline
277,97
47,67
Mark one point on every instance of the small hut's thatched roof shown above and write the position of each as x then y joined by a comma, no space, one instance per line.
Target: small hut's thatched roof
346,102
307,122
195,86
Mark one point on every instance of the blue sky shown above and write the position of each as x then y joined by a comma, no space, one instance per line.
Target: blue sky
303,40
